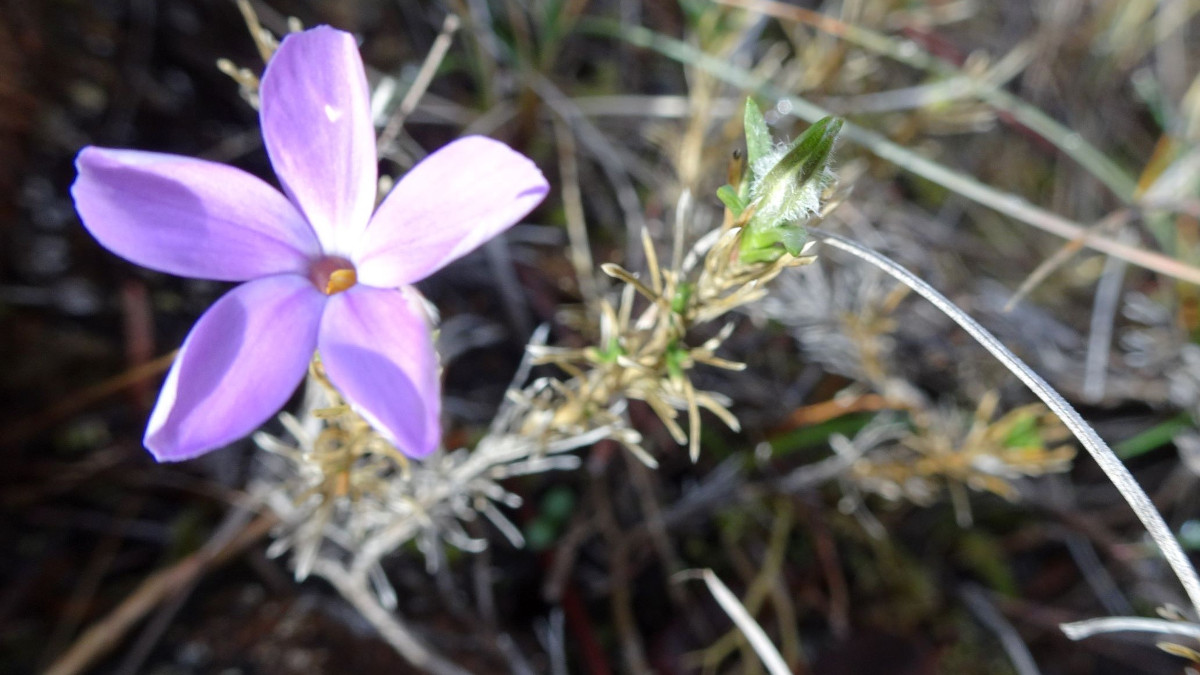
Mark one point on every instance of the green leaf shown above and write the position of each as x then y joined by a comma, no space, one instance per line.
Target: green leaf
675,357
1152,438
758,137
731,199
1024,433
679,303
760,255
760,244
793,238
803,438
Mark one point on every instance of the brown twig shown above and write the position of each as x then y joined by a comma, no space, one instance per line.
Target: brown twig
105,635
89,580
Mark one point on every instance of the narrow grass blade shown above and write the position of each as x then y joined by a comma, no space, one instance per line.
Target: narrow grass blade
741,618
1009,204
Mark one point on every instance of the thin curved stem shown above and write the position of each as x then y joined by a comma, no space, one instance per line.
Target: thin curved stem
1125,483
1079,630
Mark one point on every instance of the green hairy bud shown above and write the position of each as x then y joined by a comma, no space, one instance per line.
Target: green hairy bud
784,186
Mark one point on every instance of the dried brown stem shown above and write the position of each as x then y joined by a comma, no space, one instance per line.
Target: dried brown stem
105,635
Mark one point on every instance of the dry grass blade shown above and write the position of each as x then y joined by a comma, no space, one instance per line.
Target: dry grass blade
1048,266
580,249
1018,653
762,645
105,635
1009,204
420,83
354,589
73,404
990,91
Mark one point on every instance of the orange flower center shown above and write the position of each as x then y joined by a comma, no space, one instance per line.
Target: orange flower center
332,274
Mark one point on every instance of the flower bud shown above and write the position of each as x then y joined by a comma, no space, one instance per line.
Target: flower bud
785,186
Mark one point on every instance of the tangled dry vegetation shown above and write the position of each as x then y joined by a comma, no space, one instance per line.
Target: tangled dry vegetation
641,385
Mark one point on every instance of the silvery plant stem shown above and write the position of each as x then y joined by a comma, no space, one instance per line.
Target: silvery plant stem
1077,630
1137,499
354,589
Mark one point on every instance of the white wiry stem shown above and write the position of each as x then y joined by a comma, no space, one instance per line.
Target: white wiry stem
754,633
1117,473
354,589
1079,630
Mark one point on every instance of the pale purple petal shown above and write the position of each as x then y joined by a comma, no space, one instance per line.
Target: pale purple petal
189,217
316,124
377,349
238,366
445,207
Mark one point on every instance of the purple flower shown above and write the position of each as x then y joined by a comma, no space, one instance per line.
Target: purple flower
321,272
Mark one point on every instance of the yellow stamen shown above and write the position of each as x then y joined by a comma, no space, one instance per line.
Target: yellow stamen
340,280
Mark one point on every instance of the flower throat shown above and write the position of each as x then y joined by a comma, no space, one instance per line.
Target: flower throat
332,274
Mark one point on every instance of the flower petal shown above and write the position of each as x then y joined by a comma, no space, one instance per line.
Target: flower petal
377,349
240,363
445,207
316,124
189,217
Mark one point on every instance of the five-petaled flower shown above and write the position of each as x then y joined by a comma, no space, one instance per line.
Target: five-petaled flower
323,269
